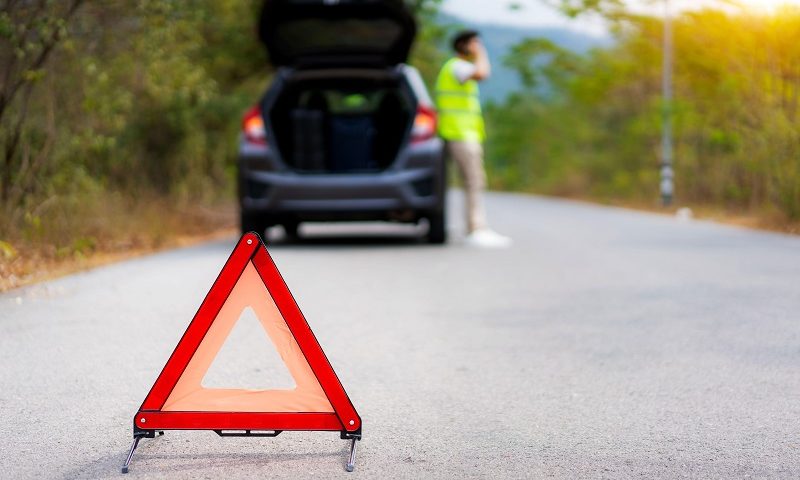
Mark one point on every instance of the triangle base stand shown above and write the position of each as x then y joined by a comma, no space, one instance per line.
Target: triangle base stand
139,434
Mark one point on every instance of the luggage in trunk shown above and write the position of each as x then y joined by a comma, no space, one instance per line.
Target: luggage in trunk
352,144
347,124
309,140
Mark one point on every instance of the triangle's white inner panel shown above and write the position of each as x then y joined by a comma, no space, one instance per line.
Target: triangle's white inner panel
248,359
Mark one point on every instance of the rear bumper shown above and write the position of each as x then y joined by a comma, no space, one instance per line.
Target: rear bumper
289,192
413,185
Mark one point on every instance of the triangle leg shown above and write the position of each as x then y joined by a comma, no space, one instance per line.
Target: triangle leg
351,462
135,444
138,434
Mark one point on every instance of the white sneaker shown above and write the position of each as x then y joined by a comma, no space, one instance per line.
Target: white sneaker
486,238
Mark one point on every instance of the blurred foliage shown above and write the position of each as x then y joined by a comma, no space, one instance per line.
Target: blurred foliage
119,103
595,129
573,8
430,49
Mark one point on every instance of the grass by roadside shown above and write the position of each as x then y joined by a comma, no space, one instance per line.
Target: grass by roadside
145,229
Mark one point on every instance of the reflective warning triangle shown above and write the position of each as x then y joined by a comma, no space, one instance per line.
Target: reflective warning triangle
178,401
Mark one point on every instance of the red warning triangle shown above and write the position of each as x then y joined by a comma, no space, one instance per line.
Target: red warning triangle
179,401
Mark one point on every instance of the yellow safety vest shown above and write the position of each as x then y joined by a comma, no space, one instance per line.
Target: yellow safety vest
459,105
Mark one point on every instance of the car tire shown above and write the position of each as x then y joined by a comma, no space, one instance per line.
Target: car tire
437,228
437,219
251,222
291,229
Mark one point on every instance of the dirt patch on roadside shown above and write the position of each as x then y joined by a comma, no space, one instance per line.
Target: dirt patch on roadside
24,264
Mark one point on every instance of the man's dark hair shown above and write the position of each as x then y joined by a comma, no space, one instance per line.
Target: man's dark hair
461,40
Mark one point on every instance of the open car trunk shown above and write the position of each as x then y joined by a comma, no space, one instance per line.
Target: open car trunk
317,33
344,124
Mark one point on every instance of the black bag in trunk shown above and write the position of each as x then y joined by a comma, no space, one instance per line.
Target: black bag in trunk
309,139
351,141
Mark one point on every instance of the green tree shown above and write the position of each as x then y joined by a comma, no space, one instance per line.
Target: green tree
595,130
30,33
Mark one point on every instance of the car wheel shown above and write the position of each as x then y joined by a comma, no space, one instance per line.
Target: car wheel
437,228
251,222
437,220
291,229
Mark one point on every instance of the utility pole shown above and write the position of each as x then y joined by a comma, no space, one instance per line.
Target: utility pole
667,171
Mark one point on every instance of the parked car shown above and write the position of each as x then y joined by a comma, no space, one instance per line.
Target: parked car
347,130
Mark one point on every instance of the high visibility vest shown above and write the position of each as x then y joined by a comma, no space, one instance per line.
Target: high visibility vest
459,106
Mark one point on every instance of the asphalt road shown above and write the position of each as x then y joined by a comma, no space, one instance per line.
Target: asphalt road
604,344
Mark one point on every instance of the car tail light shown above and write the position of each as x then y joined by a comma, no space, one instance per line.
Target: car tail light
253,126
424,124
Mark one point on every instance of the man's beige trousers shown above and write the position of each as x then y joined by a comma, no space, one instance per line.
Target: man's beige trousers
469,157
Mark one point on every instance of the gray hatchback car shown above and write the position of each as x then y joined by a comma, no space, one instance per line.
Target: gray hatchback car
346,131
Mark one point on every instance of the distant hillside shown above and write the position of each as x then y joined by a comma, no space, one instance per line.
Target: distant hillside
499,38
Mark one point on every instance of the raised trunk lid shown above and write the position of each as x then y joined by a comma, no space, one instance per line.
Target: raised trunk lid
337,32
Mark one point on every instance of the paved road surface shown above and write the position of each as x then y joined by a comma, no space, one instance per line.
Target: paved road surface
604,344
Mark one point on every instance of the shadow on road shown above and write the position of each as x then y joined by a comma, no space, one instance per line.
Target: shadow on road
164,464
349,236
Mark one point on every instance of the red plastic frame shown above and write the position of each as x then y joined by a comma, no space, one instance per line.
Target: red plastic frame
250,248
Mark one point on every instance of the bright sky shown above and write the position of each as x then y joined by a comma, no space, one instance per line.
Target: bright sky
537,13
769,4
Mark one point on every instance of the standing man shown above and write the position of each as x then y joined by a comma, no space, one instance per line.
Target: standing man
461,126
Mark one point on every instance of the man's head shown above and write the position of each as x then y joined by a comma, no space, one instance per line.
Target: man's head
463,42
